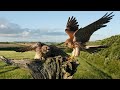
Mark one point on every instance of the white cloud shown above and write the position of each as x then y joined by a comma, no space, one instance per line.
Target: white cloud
8,35
13,31
25,33
8,29
3,26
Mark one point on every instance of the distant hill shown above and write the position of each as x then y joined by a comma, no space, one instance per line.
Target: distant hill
113,51
104,64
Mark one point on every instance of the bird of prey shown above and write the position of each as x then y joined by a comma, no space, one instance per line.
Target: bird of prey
42,50
79,36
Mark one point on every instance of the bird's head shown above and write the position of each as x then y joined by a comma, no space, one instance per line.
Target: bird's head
45,49
38,44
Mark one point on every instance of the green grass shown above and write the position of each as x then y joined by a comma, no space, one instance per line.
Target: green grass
17,55
89,71
104,64
12,72
95,66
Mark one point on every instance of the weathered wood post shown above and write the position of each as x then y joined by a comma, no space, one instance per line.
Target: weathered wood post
53,68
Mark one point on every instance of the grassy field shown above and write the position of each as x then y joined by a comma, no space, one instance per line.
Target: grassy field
12,72
94,66
104,64
17,55
88,69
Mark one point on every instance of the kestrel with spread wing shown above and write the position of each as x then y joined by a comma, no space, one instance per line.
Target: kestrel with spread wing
42,51
78,37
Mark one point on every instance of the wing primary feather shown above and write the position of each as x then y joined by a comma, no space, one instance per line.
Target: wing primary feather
109,14
105,15
72,18
83,34
72,26
68,21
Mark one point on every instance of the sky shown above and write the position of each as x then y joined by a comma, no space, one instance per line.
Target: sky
49,26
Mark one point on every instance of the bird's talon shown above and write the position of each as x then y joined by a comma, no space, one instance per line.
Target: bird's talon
70,58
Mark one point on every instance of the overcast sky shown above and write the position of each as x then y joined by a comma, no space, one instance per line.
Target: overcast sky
49,26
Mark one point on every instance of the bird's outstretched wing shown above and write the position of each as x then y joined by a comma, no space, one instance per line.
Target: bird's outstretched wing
95,48
71,27
29,48
24,49
83,34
